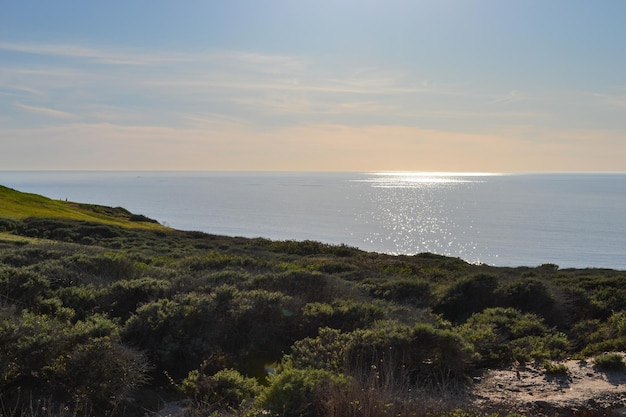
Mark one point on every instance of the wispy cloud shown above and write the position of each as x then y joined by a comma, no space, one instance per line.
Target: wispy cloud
615,100
45,111
227,69
98,55
257,62
511,97
17,90
244,85
212,120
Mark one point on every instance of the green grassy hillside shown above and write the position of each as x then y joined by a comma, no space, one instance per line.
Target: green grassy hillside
17,205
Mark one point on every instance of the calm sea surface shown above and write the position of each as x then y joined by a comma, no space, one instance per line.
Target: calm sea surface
572,220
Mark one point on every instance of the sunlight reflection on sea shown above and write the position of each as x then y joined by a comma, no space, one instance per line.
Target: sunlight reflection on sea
415,213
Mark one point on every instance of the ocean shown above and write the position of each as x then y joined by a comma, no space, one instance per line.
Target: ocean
571,220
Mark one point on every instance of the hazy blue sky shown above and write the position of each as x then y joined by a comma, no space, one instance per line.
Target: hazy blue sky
422,85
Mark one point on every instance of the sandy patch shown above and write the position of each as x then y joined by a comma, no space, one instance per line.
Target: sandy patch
528,387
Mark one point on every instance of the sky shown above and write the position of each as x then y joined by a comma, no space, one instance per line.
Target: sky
324,85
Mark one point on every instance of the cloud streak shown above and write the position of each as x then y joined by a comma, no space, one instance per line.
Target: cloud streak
511,97
616,100
45,111
90,54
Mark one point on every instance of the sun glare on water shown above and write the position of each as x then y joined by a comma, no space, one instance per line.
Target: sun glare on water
415,212
421,179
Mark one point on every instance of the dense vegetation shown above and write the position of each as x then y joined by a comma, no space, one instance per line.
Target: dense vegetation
108,318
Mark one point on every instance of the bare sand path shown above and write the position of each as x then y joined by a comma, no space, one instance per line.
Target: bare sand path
582,390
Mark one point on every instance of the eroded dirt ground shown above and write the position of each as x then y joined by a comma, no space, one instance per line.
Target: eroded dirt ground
585,390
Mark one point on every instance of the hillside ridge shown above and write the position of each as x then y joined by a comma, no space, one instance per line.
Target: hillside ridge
18,205
100,313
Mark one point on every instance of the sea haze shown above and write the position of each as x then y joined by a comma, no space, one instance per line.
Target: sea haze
572,220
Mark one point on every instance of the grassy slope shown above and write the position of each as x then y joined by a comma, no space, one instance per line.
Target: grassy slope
18,205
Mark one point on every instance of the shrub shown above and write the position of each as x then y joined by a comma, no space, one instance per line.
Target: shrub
23,286
99,372
468,296
370,396
141,218
617,322
84,299
296,392
7,225
501,335
109,267
426,352
586,332
618,344
579,304
609,361
226,389
553,368
87,240
327,265
310,247
217,260
346,315
326,351
124,296
610,297
80,362
531,295
309,286
549,346
179,334
594,336
411,291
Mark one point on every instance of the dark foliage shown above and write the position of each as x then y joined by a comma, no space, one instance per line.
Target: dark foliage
467,296
96,314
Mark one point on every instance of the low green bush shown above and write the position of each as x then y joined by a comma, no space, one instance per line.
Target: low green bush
84,299
181,332
122,298
297,392
308,285
553,368
325,351
468,296
74,363
99,372
530,295
346,315
23,286
425,351
227,389
502,335
412,291
7,225
609,362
